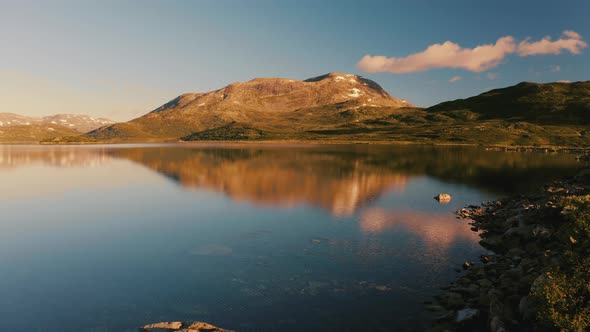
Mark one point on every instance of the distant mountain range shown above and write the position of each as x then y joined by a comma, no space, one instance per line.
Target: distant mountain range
17,128
346,107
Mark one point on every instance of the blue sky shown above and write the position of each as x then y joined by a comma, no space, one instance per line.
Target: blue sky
121,59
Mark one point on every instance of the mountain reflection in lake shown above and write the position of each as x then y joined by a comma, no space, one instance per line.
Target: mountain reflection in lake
248,237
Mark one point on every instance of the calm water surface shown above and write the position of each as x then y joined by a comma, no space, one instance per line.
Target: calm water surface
253,238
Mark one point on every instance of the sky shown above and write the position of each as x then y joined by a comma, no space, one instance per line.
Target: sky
121,59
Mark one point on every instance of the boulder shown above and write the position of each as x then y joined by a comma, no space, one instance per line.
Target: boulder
443,198
466,314
541,232
526,307
497,325
454,300
162,326
182,327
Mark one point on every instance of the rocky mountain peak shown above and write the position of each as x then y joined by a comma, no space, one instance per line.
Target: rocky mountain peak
266,104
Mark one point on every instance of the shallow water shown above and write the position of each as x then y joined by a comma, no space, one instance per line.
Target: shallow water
248,237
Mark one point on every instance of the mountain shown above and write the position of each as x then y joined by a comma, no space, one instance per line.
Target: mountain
34,132
20,128
80,123
83,123
536,103
349,108
273,106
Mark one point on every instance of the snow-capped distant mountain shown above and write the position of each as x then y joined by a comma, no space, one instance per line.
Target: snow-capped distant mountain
81,123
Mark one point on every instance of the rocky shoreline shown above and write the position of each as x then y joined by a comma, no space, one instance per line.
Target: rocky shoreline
529,236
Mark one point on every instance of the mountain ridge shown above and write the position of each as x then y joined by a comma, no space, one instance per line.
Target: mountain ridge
21,128
539,103
80,122
340,107
260,102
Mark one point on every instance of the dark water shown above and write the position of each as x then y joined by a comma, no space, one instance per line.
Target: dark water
253,238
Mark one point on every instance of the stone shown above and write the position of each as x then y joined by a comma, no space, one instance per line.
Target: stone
443,198
469,291
483,300
178,327
454,300
492,242
538,283
514,220
484,283
204,327
541,232
526,308
382,288
496,306
466,314
162,325
496,324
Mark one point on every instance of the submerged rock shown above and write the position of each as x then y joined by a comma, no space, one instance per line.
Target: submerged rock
382,288
212,250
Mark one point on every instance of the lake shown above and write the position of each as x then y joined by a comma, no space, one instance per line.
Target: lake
243,236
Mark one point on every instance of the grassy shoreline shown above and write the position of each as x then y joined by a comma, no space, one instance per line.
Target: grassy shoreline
495,147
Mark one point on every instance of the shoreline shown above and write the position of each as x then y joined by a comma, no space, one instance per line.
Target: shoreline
508,289
491,147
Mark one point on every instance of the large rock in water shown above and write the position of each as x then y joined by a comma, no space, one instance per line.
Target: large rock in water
443,198
182,327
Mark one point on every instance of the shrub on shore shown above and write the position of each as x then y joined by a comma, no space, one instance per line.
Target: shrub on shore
563,294
563,298
576,210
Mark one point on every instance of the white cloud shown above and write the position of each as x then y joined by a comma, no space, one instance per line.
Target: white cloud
455,79
445,55
555,69
570,41
564,81
477,59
